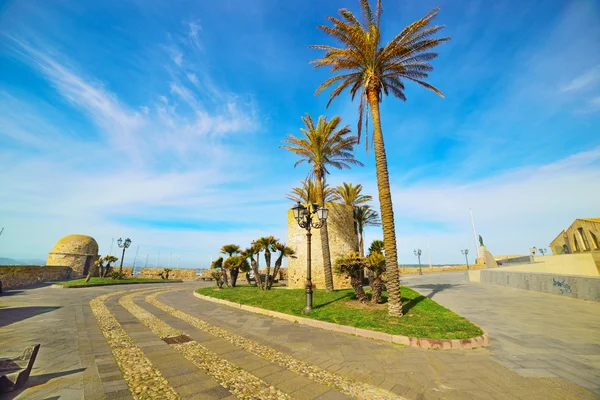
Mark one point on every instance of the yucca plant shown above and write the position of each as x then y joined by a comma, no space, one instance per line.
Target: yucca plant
369,68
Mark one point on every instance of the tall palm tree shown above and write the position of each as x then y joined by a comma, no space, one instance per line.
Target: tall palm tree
267,244
350,195
308,192
325,144
365,216
284,251
372,69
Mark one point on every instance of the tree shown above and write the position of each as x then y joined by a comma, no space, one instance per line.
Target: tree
219,274
267,244
249,253
235,264
352,265
308,192
284,251
108,259
365,216
350,195
324,144
371,69
230,250
376,247
376,266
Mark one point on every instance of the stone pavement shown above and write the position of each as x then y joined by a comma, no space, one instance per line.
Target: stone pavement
173,345
534,334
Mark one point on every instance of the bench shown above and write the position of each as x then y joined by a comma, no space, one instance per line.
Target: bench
14,372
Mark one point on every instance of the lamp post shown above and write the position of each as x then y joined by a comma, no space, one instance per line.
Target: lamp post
124,245
542,251
418,254
465,253
304,216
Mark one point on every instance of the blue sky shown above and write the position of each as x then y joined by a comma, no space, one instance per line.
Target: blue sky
161,121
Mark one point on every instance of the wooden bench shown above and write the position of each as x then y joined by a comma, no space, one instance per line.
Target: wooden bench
14,372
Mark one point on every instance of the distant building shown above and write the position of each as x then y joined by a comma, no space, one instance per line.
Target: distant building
582,236
76,251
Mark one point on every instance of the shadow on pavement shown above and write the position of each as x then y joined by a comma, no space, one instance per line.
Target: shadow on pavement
36,380
11,292
435,288
10,315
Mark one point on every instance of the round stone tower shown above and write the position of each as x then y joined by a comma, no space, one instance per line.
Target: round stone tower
342,239
76,251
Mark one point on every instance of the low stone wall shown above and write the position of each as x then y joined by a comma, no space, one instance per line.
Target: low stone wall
183,274
580,287
16,276
282,272
427,270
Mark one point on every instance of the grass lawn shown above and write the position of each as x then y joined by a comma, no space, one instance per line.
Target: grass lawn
422,318
110,281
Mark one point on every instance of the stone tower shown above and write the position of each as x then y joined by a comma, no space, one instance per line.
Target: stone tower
76,251
342,239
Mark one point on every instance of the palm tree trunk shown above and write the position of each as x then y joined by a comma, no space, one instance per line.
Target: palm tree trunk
324,239
358,289
248,278
377,289
225,279
387,210
276,268
268,270
256,273
234,276
361,243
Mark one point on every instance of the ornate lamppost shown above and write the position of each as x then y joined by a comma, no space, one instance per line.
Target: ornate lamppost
543,251
418,254
305,217
465,253
124,245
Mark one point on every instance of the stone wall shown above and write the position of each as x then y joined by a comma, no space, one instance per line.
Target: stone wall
342,239
581,287
427,270
566,264
16,276
183,274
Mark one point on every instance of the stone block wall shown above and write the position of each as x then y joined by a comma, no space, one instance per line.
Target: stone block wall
16,276
342,240
580,287
183,274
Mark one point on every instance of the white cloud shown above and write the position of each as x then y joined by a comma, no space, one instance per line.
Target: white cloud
193,78
584,81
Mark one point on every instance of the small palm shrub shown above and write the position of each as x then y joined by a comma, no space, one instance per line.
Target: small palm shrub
352,264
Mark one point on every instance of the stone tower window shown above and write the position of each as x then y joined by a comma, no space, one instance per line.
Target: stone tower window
594,240
586,245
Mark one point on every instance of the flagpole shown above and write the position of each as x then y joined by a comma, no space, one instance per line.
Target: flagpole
474,233
428,251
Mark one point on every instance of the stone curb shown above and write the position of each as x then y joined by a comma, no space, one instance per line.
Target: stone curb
109,284
425,343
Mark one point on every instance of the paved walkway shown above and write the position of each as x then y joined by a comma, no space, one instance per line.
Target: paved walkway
533,333
173,345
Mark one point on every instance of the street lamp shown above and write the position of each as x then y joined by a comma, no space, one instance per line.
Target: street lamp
304,216
465,253
542,251
123,245
418,254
